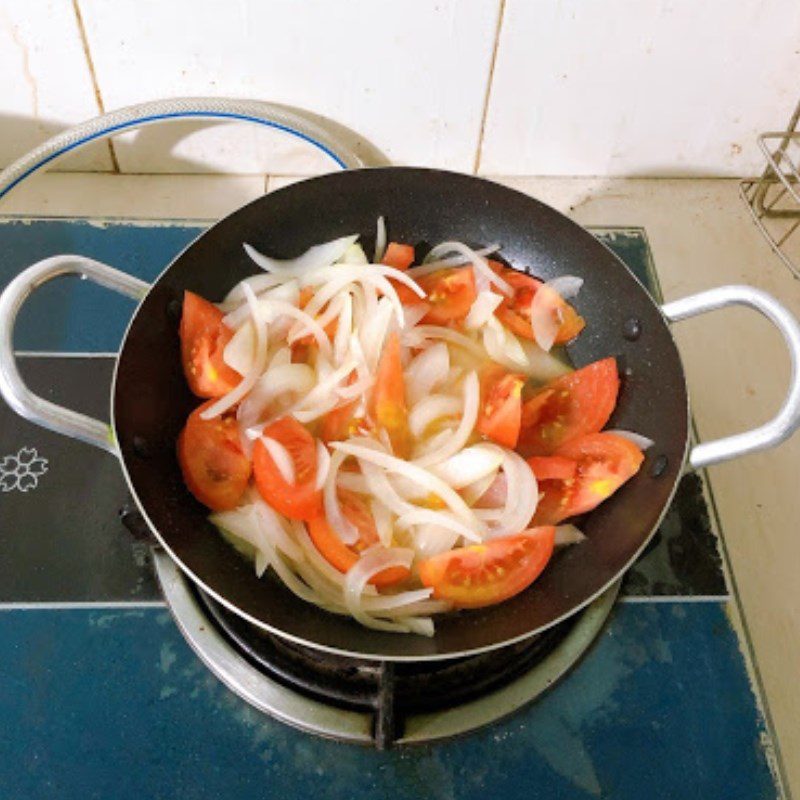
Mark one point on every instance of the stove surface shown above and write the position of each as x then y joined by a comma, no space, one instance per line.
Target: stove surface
102,697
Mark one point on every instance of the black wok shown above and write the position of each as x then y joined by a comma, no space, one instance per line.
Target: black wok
150,400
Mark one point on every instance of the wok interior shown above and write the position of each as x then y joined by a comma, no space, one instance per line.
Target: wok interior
423,207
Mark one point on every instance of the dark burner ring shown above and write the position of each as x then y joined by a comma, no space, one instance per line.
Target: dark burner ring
389,690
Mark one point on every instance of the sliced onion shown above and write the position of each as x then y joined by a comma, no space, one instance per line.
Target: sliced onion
323,464
415,473
522,495
322,398
290,579
273,527
342,527
344,328
280,455
276,381
331,312
320,255
426,371
392,602
484,306
431,540
383,521
433,264
431,408
319,563
460,436
425,516
373,560
502,345
288,292
248,381
373,333
419,334
354,255
642,442
380,239
476,490
470,465
544,319
242,523
281,357
240,352
381,487
541,366
479,264
353,481
568,534
413,314
495,494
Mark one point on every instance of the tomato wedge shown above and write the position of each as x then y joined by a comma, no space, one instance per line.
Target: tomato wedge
500,414
569,407
488,573
388,400
215,469
604,462
548,468
451,293
203,339
343,557
401,256
298,500
515,311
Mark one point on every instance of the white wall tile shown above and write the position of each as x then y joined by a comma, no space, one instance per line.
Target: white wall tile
655,87
409,75
45,80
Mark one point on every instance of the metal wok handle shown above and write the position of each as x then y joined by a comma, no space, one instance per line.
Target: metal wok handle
787,420
12,387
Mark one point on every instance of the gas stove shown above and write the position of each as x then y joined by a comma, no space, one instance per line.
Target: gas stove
653,696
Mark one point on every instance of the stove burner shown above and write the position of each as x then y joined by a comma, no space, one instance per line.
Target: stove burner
388,690
373,702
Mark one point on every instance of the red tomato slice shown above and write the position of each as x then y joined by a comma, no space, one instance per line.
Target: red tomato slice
388,400
215,469
203,339
515,311
488,573
300,500
399,256
342,556
500,415
547,468
605,461
451,292
569,407
339,423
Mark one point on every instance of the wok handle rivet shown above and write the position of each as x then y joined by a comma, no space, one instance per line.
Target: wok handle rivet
632,329
659,466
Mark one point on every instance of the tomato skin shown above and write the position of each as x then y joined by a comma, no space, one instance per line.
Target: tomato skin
605,461
340,555
515,311
300,500
500,415
450,295
547,468
484,574
214,468
569,407
399,256
203,339
388,399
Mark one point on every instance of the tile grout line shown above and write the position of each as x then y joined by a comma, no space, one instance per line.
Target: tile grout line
489,82
95,85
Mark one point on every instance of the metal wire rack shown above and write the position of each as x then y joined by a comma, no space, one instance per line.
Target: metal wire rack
774,198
